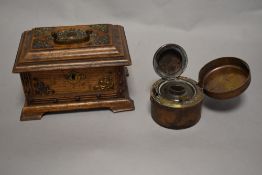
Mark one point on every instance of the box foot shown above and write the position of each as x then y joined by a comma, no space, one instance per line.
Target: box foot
29,114
126,105
36,112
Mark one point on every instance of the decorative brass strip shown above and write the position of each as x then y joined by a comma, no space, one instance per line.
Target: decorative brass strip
199,96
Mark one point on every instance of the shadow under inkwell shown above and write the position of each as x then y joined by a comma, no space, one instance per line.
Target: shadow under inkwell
224,105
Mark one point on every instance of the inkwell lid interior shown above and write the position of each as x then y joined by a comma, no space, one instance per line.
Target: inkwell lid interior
170,61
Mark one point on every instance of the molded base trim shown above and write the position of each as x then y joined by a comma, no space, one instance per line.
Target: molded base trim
36,112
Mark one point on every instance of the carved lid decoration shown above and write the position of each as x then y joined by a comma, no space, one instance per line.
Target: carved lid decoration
47,48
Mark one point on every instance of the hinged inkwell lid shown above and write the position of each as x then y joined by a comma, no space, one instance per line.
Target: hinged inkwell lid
173,90
170,61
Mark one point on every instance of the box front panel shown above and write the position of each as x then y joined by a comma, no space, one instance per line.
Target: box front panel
73,85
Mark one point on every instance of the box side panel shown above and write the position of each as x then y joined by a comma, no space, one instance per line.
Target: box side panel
73,85
27,85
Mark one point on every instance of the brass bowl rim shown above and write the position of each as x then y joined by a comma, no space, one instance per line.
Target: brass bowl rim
197,98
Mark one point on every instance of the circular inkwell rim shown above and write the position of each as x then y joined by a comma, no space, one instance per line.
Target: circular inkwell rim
157,96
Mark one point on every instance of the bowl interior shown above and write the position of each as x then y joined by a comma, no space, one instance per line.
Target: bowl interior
224,77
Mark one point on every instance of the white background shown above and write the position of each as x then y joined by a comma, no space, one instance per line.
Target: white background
226,141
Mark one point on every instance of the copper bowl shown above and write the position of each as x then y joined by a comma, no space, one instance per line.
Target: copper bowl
225,77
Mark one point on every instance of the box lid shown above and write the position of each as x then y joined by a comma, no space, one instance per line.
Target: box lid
66,47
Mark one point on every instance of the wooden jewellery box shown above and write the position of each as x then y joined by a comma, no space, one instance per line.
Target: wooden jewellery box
73,68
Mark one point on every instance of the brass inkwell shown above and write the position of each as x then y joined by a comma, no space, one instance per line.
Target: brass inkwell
176,101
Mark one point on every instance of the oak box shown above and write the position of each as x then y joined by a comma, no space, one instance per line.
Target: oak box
73,68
